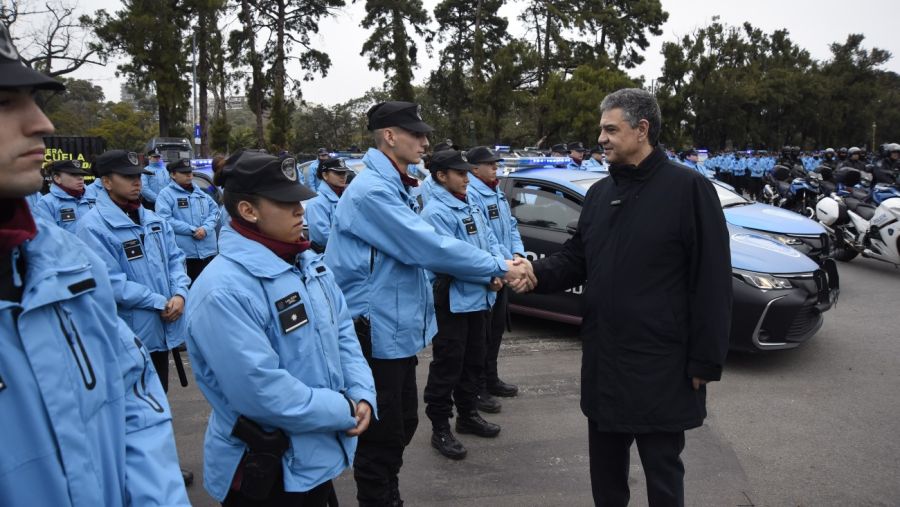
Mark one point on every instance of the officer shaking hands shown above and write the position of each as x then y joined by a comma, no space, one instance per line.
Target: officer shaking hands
379,249
66,202
85,419
273,349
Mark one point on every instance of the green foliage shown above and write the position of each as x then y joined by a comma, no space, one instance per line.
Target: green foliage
390,48
77,109
124,127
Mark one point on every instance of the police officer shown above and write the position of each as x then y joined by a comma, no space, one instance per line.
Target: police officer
757,171
154,181
66,202
558,150
311,178
595,161
485,194
739,173
379,249
690,158
576,156
273,349
462,308
85,419
886,170
333,172
193,215
828,158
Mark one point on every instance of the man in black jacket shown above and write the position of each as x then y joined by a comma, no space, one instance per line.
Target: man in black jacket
653,251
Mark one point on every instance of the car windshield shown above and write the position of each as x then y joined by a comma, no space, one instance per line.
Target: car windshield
729,199
586,183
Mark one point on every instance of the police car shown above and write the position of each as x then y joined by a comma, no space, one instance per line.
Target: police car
780,294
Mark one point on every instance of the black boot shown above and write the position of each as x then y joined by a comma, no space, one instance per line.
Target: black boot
502,389
446,443
487,403
473,423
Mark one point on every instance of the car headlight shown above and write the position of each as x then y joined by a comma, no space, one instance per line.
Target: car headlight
781,238
762,280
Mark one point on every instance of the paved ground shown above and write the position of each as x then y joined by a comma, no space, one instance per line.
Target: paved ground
817,426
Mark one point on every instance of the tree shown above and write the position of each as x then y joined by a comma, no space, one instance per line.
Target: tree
76,110
243,52
124,127
152,34
617,30
390,48
56,43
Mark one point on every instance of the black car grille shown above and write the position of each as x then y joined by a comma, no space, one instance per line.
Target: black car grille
816,247
804,321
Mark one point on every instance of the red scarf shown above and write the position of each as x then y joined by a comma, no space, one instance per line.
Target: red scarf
461,197
189,187
129,206
492,184
16,223
337,190
77,194
284,250
407,180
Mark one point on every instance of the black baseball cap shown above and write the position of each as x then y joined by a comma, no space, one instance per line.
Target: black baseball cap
334,164
265,175
577,147
121,162
322,151
67,166
597,149
397,114
180,166
449,159
558,148
482,155
13,71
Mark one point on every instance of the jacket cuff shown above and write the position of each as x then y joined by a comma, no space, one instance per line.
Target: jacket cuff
704,370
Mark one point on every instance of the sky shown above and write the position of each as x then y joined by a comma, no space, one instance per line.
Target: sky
813,25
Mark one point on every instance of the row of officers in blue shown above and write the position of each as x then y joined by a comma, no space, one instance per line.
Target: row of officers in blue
307,360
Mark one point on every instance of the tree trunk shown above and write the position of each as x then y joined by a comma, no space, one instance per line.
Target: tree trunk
279,114
256,93
203,81
403,89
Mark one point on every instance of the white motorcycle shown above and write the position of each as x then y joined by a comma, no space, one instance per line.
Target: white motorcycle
860,228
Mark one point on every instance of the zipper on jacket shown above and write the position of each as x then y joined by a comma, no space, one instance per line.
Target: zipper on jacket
80,355
327,298
148,399
371,259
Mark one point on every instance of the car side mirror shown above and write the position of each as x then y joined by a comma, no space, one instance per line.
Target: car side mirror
572,227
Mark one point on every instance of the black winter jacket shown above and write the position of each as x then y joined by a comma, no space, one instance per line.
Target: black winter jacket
652,248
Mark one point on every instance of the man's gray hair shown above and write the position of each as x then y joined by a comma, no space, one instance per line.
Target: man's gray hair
636,105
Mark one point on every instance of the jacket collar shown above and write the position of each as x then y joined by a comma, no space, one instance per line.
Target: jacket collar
441,194
180,189
481,187
259,260
640,172
59,192
377,161
115,217
327,192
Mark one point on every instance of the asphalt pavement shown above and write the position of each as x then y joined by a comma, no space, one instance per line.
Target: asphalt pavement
814,426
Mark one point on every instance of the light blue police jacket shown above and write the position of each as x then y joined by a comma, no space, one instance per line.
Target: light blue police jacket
379,249
33,200
255,353
144,284
590,164
452,217
151,185
575,165
186,212
311,179
85,419
495,209
319,211
62,209
95,190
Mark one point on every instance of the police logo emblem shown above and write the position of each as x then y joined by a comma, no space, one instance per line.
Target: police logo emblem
419,113
77,164
7,49
289,168
133,158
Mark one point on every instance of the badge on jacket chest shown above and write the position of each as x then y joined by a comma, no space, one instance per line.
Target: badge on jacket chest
67,215
133,249
493,212
291,315
182,202
471,228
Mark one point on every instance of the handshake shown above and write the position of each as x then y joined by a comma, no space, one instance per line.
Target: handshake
520,275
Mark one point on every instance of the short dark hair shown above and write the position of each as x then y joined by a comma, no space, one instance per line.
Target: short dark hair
636,105
231,199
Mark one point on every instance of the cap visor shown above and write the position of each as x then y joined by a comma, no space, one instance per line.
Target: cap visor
487,160
417,126
129,171
76,172
16,75
287,193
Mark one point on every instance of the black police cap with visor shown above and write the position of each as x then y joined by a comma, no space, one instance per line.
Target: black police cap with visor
67,166
482,155
180,166
121,162
446,160
13,71
257,173
397,114
332,164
